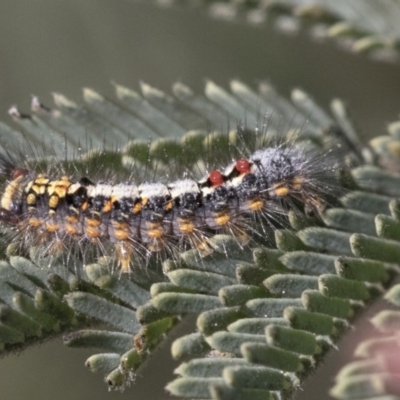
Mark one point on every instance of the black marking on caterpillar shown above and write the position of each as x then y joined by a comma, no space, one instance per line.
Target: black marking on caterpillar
133,219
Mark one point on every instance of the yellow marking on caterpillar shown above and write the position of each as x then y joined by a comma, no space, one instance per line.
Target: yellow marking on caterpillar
121,230
222,219
121,234
59,188
73,188
31,199
92,222
72,222
92,232
42,179
297,182
34,222
186,226
114,199
281,189
120,225
155,230
156,233
9,192
72,219
107,206
71,229
137,208
255,205
50,227
168,206
53,201
28,186
39,185
144,201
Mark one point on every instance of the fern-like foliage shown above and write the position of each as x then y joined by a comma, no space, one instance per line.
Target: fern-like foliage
266,317
375,373
361,26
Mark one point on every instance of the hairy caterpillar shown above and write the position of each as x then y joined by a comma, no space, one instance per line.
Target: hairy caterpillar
133,219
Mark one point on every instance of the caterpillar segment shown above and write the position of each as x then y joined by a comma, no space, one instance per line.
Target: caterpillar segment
156,215
124,223
188,224
222,204
12,198
289,175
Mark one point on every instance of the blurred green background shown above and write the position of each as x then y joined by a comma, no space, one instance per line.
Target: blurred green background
52,45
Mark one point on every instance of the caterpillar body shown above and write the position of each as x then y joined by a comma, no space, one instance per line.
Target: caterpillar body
246,198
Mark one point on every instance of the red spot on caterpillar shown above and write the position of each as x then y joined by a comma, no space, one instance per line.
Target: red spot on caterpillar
243,166
216,178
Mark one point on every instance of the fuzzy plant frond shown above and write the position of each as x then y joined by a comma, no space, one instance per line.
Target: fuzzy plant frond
360,26
375,372
266,317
